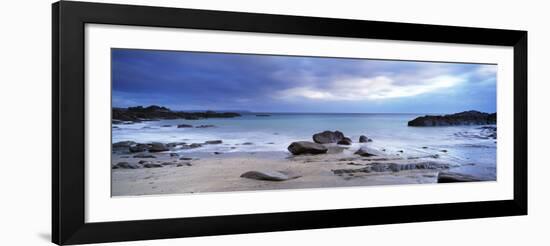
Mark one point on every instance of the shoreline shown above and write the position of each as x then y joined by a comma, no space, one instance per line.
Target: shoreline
206,173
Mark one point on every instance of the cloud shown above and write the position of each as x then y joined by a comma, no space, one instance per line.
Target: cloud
373,88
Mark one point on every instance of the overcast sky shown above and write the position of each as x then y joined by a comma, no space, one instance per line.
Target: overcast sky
262,83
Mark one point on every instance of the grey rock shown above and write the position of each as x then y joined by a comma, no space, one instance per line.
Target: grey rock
123,144
363,139
345,141
184,126
269,175
174,155
195,145
125,165
143,155
247,143
366,152
205,126
305,147
214,142
328,137
139,148
158,147
152,165
186,159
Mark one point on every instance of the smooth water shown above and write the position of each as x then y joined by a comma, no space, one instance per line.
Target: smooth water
277,131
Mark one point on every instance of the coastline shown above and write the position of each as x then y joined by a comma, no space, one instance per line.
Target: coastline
222,172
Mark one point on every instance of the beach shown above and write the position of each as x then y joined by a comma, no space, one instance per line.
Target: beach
213,155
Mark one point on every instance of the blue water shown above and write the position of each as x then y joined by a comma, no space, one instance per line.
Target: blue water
276,132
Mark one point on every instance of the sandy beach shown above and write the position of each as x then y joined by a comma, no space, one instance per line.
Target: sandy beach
222,172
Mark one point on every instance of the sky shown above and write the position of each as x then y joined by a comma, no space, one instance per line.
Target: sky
268,83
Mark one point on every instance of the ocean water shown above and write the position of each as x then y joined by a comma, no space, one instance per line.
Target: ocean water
477,156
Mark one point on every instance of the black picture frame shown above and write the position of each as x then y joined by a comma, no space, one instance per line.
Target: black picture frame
68,106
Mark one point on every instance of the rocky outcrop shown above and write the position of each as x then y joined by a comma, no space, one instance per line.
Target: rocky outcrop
184,126
463,118
305,147
269,175
154,112
393,167
328,137
451,177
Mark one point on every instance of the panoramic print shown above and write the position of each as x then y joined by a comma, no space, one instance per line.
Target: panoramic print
199,122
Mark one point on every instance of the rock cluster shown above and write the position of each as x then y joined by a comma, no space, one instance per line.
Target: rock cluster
464,118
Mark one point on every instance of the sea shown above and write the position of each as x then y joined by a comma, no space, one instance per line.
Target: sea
273,132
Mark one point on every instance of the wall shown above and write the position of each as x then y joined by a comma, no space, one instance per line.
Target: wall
25,126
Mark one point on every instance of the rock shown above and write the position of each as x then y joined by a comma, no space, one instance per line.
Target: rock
143,155
154,112
186,158
366,152
195,145
363,139
345,141
205,126
125,165
393,167
183,164
269,175
144,162
166,126
217,153
213,142
123,144
305,147
174,155
328,137
158,147
271,143
451,177
247,143
139,148
444,150
152,165
168,163
184,126
464,118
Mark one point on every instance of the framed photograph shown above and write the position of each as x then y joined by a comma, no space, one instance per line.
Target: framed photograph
175,122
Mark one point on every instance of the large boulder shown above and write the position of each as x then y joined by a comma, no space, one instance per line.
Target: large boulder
158,147
364,139
269,175
305,147
328,137
452,177
463,118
